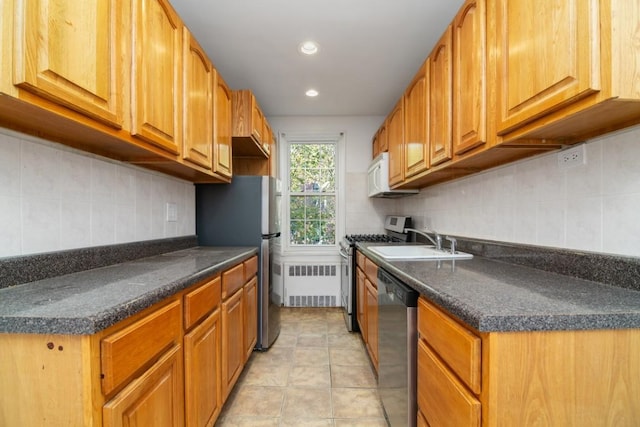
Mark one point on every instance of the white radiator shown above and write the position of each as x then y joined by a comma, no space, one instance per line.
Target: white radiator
312,285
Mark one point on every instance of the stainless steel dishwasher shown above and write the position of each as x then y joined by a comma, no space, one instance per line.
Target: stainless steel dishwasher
397,347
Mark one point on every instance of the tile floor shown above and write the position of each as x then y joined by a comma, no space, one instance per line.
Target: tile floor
316,374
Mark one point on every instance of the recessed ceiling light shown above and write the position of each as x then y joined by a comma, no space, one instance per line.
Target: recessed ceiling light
311,93
309,48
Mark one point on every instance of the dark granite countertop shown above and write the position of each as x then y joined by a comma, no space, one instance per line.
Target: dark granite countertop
495,296
90,301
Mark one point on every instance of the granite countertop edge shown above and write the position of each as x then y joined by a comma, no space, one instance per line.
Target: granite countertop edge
87,324
483,317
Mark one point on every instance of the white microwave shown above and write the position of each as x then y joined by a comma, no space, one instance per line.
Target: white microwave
378,179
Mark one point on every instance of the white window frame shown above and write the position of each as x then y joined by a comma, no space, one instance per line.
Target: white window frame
285,141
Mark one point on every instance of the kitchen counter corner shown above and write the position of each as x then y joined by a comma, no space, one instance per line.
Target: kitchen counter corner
89,301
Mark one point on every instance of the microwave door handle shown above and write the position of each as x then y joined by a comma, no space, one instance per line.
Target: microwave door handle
376,175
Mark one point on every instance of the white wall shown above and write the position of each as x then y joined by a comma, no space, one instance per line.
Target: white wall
593,207
54,198
363,215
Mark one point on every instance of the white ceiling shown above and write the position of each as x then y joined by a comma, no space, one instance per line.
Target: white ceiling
369,49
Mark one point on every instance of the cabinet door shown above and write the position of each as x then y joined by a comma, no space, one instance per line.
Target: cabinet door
440,102
383,143
416,148
198,103
372,322
395,138
67,52
222,127
257,119
153,399
442,399
469,77
536,75
203,398
157,77
250,316
361,303
232,342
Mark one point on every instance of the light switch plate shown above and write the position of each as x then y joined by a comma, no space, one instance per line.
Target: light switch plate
172,212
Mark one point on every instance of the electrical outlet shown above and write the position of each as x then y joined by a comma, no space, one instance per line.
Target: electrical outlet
172,212
573,156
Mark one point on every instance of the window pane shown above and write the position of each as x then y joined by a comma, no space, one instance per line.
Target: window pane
312,211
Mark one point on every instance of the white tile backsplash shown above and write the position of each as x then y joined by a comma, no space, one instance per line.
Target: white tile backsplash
592,207
54,198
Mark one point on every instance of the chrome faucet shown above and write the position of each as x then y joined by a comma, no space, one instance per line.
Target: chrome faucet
437,241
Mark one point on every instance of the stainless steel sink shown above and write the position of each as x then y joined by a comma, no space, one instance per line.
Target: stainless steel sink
416,252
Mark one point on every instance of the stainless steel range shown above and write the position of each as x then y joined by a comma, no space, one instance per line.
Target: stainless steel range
394,226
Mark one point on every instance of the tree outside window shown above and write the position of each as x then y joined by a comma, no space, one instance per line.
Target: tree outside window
312,193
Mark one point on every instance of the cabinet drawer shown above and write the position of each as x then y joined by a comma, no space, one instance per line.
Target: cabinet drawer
442,399
360,259
232,280
250,268
201,301
130,349
457,346
371,270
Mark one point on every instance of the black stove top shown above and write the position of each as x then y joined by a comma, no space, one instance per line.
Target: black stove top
353,238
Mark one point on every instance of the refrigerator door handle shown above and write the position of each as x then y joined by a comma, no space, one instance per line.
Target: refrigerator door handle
271,235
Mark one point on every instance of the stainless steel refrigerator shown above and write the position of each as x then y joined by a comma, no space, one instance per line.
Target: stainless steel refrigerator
246,213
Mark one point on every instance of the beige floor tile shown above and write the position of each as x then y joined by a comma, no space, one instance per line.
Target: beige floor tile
286,340
352,376
307,403
348,356
312,327
310,376
306,422
253,401
314,356
275,355
345,340
316,374
260,374
248,422
356,403
364,422
312,340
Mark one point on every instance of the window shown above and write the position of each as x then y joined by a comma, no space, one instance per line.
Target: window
312,192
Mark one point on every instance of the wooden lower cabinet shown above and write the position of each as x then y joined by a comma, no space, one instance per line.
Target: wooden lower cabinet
153,399
232,342
173,364
202,372
367,304
361,302
421,422
372,322
250,316
540,378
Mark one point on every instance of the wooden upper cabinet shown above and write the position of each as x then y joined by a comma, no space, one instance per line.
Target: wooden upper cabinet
395,138
248,125
469,77
67,52
415,123
440,100
257,120
157,74
560,64
222,162
198,103
383,143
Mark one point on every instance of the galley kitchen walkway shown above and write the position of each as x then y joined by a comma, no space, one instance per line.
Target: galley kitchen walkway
316,374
